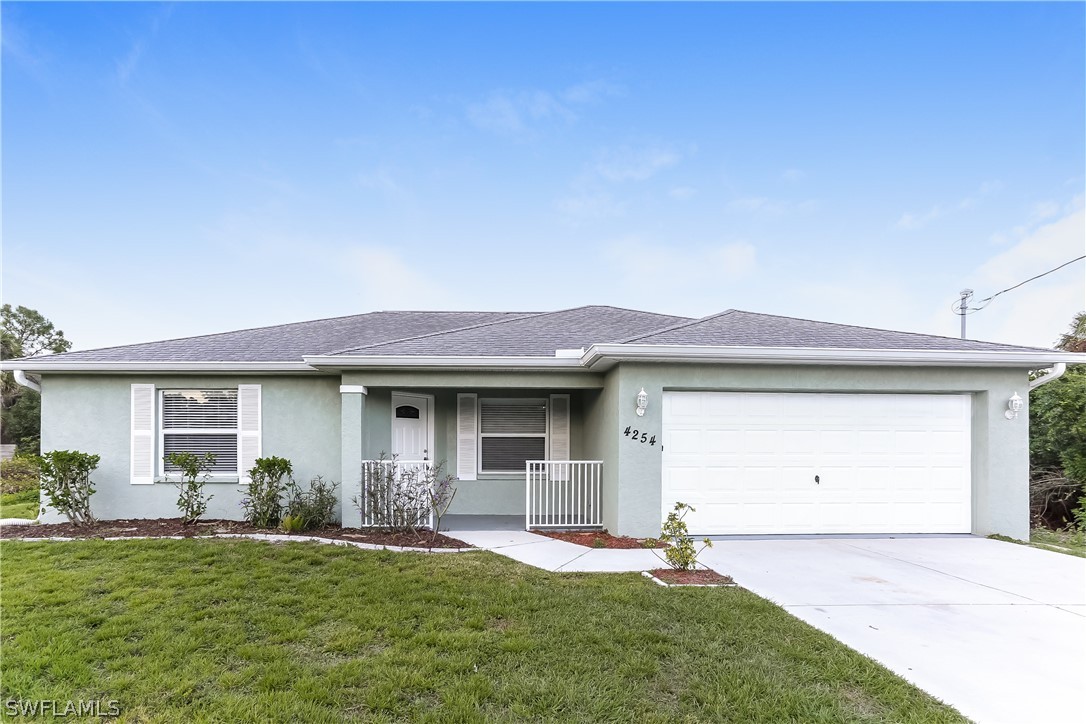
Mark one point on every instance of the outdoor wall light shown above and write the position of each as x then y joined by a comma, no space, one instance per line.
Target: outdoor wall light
1014,405
642,402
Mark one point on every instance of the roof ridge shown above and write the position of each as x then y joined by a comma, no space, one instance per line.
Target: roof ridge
631,309
520,315
252,329
680,325
526,315
893,331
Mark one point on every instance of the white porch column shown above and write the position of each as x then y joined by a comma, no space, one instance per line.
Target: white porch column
352,419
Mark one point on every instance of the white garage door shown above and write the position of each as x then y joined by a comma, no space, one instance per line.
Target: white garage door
753,462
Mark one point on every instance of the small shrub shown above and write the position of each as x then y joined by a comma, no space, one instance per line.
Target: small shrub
19,474
680,553
313,508
439,492
65,480
599,543
190,496
392,498
292,523
403,499
269,479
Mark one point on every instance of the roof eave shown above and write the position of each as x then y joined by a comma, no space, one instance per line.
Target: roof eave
603,356
137,367
421,362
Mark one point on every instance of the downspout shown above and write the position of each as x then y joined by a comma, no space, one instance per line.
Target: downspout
1054,373
21,378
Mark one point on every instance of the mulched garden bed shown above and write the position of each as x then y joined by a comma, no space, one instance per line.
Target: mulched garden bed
599,539
161,527
700,577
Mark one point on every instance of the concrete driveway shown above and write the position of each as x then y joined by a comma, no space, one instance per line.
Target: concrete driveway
995,629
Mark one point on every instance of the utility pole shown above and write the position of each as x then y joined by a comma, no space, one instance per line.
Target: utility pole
963,306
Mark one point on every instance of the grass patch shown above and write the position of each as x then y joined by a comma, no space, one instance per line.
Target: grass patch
241,630
23,504
1063,541
1072,543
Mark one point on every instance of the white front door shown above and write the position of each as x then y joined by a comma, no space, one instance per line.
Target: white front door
411,432
756,462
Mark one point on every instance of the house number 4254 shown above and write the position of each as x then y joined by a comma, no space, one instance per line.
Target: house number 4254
638,436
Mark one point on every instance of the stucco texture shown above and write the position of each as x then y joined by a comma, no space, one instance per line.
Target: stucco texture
92,413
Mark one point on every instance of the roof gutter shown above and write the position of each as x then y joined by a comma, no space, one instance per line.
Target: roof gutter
22,379
1054,373
605,355
139,367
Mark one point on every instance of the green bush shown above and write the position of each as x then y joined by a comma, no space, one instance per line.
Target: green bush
680,553
65,480
269,479
194,471
19,475
309,509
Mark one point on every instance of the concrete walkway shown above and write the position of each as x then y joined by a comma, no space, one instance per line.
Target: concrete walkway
558,555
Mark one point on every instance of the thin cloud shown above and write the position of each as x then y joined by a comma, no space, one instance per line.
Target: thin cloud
770,207
591,206
793,175
916,220
127,66
680,269
634,164
522,113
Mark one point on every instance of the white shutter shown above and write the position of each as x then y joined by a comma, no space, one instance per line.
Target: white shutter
559,435
142,449
559,432
466,436
249,429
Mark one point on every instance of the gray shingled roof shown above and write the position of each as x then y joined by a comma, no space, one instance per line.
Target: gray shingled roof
736,328
289,342
516,334
536,336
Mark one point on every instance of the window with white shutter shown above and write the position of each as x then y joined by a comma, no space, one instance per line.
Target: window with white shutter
199,422
511,432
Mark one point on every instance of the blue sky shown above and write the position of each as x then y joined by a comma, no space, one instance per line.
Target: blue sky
171,170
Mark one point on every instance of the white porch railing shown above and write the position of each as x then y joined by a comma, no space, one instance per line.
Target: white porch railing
392,492
563,493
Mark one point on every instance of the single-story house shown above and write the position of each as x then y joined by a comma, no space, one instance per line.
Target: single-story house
593,416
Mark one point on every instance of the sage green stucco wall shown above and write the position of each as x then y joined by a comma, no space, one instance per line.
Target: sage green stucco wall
300,418
602,409
1000,457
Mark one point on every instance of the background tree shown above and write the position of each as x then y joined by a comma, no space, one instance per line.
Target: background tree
24,332
1057,437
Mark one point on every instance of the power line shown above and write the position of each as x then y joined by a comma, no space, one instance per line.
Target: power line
960,310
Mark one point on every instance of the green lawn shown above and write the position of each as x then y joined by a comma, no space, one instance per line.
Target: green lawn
23,504
245,631
1063,541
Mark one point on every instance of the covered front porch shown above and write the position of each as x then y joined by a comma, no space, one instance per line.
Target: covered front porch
518,446
560,495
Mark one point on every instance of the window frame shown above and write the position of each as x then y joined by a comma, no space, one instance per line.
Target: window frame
479,435
160,423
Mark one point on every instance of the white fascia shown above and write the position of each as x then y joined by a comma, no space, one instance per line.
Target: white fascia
139,367
447,362
602,356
